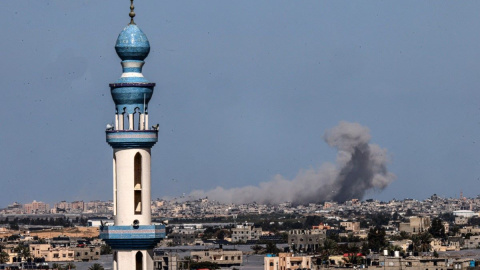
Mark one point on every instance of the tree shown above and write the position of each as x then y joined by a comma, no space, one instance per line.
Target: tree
13,237
453,230
271,248
327,248
352,252
221,234
23,252
256,248
69,266
14,226
425,240
96,266
421,242
376,239
4,258
416,244
401,236
353,238
437,229
105,249
209,233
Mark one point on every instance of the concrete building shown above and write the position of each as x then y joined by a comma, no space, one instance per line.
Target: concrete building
287,261
246,232
464,213
461,220
182,238
351,226
167,261
133,236
51,253
224,258
420,263
306,240
415,225
36,208
86,254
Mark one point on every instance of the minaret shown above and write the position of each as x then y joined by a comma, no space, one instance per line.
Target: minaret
133,236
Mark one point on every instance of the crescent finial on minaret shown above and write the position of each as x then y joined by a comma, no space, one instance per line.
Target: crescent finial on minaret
132,13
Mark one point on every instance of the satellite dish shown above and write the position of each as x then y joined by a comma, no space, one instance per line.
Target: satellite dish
109,127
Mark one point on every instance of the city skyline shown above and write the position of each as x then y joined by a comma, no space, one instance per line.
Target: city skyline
245,92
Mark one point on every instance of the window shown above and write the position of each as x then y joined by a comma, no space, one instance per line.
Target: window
138,184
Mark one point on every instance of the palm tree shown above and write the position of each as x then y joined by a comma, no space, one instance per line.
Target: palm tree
328,248
96,266
4,257
352,252
23,251
421,242
425,239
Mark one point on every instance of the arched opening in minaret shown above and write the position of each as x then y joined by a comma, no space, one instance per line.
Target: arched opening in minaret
139,261
115,260
131,123
121,119
137,184
140,119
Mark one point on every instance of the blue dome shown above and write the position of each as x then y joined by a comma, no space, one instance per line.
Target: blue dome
132,44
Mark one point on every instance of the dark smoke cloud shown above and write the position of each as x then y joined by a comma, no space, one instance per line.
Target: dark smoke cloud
360,167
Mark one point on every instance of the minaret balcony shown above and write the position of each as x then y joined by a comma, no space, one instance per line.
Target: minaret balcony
132,237
132,138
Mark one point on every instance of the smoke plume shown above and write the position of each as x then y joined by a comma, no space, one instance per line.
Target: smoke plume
360,166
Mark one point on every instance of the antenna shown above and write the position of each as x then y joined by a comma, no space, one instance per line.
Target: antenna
132,13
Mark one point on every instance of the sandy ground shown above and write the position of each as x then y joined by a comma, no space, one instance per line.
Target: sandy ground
70,232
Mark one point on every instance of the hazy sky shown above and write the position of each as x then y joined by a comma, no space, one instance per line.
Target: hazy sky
245,91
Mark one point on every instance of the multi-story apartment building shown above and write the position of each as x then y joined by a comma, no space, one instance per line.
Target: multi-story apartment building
78,205
351,226
287,261
306,240
246,232
64,253
415,225
224,258
167,261
36,208
182,238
